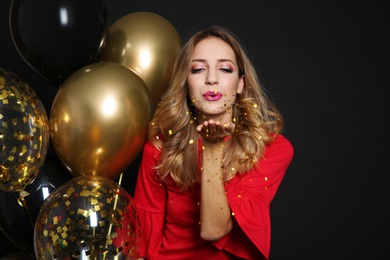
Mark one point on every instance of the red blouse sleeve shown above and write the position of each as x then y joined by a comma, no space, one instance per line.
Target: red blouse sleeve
150,199
249,196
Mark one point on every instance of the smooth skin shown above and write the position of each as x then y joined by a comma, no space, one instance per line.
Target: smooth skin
214,70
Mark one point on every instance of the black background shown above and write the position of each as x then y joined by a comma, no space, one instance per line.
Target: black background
326,65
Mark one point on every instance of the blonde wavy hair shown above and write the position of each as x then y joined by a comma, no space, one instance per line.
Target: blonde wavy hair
172,128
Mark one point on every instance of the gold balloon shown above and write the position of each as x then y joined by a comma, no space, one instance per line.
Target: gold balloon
88,217
99,119
24,133
146,43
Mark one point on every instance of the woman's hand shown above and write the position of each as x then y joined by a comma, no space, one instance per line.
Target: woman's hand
215,215
214,131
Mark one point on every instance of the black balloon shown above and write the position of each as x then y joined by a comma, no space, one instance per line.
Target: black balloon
18,216
18,256
57,37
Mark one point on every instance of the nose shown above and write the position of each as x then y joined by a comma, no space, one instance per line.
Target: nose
211,82
211,79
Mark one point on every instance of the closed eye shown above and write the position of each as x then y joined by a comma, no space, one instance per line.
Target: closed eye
227,70
193,71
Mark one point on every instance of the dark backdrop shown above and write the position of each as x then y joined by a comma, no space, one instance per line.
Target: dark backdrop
326,65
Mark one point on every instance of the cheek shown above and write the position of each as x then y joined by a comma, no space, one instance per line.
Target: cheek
231,89
229,96
229,99
193,90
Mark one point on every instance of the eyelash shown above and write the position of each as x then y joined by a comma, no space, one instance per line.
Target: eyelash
193,71
227,70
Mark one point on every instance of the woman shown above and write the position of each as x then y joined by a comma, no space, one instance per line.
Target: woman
214,158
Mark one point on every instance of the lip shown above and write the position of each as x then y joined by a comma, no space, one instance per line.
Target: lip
212,96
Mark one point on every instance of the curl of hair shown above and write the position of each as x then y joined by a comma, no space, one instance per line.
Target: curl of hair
173,127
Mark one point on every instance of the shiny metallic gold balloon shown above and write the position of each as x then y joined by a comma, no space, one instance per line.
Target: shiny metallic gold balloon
146,43
24,133
88,217
99,119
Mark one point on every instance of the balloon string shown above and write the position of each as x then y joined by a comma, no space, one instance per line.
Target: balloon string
115,203
117,190
22,202
120,180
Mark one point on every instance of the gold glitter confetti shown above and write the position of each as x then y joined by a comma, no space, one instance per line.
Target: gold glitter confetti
88,226
27,139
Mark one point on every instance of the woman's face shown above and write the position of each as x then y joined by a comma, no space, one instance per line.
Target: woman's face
213,80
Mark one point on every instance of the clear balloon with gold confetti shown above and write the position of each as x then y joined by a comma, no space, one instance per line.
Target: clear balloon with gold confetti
88,217
24,133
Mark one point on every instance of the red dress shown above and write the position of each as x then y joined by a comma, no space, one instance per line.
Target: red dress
170,218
